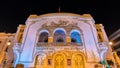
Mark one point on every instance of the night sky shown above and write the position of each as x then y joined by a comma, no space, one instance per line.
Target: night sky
13,13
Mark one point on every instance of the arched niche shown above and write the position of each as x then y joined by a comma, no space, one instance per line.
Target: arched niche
59,35
39,60
59,61
43,36
78,61
75,36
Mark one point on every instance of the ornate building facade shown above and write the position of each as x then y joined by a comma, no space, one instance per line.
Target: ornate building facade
6,52
61,40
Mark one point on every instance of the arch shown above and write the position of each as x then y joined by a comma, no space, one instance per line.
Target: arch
75,36
44,31
78,61
59,61
59,29
43,36
39,60
59,35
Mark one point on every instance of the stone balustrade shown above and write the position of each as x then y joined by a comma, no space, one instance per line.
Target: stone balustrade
59,46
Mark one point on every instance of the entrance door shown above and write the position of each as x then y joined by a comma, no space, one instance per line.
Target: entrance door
78,61
39,61
59,61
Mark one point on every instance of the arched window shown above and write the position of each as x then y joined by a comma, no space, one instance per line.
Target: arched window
43,37
75,37
59,36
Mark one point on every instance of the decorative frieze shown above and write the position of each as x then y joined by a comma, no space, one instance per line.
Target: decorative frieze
55,47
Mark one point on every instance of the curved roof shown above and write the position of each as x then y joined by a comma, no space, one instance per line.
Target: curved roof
60,14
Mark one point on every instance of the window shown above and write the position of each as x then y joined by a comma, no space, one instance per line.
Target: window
73,40
60,40
100,38
49,62
20,38
99,30
43,37
68,61
59,36
21,30
75,37
6,50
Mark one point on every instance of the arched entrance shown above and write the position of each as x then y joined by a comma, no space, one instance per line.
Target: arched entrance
59,61
39,61
78,61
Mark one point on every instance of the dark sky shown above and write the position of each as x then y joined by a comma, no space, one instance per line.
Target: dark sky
13,13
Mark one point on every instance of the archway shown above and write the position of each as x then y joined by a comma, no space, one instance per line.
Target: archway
59,61
59,36
39,61
43,37
78,61
75,36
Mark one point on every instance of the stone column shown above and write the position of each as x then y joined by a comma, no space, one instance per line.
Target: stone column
50,39
68,39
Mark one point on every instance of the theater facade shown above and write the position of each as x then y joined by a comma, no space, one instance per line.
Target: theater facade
61,40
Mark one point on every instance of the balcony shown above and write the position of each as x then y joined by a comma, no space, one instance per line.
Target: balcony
59,46
42,44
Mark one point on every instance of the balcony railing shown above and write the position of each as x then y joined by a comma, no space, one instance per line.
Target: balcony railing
59,46
40,44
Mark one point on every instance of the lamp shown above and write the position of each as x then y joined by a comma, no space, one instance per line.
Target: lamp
9,43
110,43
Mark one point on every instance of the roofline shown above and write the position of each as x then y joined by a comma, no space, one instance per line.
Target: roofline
60,14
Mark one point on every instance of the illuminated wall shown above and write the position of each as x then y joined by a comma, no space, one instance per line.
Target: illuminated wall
6,52
53,34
